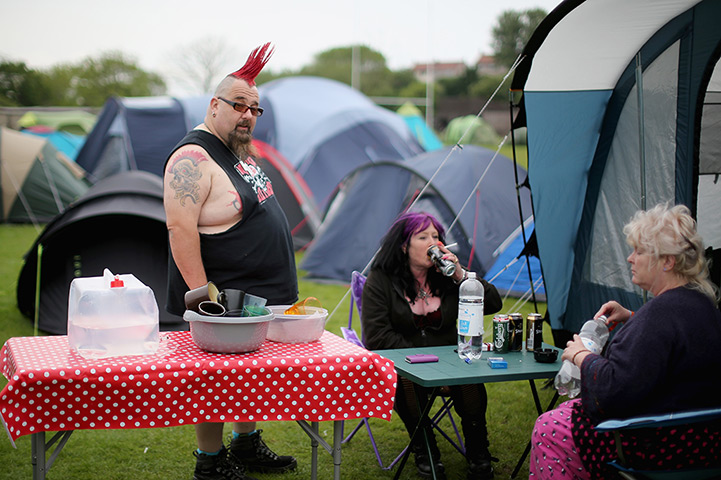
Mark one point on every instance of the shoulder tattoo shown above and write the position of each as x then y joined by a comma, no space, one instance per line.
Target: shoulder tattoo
186,174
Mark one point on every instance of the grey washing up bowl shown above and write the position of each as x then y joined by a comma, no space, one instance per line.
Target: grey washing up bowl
228,334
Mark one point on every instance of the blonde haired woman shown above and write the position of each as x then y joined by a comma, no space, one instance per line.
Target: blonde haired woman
664,358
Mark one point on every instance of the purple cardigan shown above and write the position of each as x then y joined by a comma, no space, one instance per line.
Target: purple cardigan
667,357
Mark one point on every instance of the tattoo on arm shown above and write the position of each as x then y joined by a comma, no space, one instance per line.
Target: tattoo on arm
186,174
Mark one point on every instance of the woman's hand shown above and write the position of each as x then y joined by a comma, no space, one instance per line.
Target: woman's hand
575,350
450,256
615,313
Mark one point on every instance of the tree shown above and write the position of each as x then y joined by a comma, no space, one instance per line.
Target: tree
512,31
376,79
200,66
460,85
487,85
22,86
92,81
96,79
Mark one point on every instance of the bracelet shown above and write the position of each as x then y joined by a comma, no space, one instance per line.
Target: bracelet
573,359
465,275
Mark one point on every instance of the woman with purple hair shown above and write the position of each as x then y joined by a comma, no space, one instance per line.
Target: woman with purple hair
407,302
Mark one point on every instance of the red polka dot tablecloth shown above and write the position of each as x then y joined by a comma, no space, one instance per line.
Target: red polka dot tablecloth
52,388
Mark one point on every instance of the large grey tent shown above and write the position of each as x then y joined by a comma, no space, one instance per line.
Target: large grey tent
118,224
326,138
372,196
621,104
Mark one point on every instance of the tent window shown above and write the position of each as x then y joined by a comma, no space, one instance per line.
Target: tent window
709,181
620,193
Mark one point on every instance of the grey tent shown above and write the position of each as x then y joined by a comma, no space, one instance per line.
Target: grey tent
372,196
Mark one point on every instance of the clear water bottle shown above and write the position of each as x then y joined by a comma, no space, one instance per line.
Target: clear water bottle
470,318
594,335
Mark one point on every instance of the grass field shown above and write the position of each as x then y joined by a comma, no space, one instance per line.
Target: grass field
165,453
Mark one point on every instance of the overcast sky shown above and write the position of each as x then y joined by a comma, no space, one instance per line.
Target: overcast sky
43,33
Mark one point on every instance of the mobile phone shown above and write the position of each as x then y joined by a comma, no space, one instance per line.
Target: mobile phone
421,358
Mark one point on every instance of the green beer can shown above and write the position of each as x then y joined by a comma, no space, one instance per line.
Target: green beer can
501,333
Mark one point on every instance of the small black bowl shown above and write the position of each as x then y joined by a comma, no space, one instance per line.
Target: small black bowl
545,355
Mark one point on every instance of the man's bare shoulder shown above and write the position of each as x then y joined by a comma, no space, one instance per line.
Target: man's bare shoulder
187,174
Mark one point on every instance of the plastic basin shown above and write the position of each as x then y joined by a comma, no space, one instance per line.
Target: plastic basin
228,334
296,328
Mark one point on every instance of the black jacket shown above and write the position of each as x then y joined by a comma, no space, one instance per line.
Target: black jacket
387,320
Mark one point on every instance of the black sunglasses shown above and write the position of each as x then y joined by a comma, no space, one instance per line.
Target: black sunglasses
242,107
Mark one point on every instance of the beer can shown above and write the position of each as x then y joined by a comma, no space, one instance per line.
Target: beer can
516,331
534,331
501,337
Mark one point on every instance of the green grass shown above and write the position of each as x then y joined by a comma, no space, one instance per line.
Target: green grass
165,453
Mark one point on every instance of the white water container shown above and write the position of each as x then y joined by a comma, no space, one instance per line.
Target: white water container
111,316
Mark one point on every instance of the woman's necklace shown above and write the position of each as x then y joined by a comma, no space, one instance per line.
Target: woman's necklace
423,294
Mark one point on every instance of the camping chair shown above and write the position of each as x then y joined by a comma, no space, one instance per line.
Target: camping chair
356,293
617,427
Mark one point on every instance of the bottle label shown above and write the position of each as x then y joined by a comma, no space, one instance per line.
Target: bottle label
470,318
591,345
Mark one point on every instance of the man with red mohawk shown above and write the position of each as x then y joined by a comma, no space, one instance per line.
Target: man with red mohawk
225,225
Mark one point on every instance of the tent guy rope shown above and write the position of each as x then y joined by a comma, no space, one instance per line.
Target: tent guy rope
458,146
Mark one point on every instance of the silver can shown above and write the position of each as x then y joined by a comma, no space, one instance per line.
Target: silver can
534,331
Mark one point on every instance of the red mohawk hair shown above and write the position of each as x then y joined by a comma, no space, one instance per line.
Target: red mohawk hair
255,63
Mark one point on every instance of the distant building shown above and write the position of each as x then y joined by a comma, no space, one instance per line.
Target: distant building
486,65
440,70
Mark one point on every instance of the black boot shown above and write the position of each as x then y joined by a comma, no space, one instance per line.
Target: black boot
423,462
218,467
252,451
480,468
477,454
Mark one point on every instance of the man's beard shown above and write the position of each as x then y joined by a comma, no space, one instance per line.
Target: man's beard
240,142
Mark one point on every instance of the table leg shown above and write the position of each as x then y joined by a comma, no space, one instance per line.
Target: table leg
39,450
38,455
316,439
422,428
314,452
337,442
540,410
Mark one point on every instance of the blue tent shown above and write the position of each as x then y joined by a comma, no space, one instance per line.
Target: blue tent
66,142
372,196
426,137
326,129
509,273
134,133
620,100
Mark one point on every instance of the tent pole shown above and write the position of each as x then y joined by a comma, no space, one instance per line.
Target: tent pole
641,137
518,199
37,289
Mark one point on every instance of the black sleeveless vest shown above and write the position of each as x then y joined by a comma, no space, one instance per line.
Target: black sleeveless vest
254,255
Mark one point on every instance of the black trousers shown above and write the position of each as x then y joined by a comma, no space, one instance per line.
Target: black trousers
469,402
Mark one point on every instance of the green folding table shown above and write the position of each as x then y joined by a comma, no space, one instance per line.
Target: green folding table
451,370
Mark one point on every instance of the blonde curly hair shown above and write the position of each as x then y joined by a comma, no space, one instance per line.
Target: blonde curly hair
667,230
